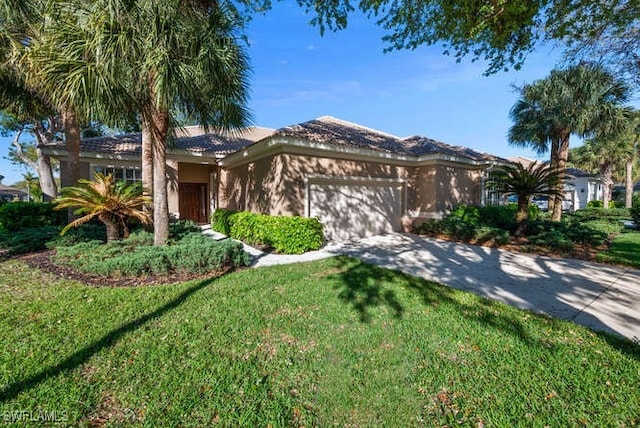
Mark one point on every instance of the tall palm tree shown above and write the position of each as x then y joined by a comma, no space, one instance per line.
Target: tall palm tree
110,201
198,69
538,179
576,100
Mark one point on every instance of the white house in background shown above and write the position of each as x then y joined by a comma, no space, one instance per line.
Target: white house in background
580,186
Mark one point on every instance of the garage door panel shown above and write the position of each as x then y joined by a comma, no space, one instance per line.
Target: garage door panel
354,209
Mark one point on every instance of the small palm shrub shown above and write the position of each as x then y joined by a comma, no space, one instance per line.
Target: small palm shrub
110,201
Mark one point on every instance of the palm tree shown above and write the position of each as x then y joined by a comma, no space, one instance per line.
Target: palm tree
197,69
577,100
111,202
524,182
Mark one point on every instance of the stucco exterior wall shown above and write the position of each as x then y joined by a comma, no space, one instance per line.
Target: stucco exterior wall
439,188
276,184
193,173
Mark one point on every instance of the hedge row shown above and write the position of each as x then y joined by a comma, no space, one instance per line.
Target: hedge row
15,216
288,235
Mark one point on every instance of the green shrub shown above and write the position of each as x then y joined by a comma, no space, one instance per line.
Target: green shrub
220,221
285,234
501,216
181,228
294,235
28,240
553,239
467,214
486,235
136,256
431,227
635,212
82,233
595,204
15,216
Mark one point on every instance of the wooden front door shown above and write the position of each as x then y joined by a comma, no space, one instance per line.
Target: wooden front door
194,203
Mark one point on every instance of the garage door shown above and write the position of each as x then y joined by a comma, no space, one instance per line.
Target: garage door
350,209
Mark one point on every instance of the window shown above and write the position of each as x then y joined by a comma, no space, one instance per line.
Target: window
128,174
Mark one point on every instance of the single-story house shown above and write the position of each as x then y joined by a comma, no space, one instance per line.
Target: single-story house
358,181
580,187
8,193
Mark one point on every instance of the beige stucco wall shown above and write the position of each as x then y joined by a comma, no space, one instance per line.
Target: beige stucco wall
441,187
193,173
276,184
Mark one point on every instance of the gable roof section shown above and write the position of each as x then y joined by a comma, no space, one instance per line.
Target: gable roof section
327,129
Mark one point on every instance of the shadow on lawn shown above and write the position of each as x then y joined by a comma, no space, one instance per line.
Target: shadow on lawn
80,357
365,286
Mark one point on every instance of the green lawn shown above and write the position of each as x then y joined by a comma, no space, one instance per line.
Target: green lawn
333,342
625,250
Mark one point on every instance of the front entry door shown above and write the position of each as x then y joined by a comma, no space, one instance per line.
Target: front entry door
193,202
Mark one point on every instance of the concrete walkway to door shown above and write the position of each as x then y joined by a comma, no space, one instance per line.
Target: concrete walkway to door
598,296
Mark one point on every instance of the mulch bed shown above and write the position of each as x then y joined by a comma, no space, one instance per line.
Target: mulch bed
42,260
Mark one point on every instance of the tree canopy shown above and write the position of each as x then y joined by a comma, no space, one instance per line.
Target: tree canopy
500,31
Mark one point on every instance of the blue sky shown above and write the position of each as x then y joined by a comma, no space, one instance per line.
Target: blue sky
299,75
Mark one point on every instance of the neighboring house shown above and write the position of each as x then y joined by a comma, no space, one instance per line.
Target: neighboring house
357,180
8,193
580,186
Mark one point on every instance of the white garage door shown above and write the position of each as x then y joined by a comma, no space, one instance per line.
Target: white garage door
350,209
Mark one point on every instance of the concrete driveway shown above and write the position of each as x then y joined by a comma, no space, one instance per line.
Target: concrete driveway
598,296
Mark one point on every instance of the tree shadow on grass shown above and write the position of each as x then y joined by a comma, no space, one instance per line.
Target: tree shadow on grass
365,286
80,357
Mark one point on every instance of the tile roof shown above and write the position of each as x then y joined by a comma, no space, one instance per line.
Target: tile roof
328,129
420,146
575,172
191,139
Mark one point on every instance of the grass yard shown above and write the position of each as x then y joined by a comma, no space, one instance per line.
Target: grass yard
333,342
625,249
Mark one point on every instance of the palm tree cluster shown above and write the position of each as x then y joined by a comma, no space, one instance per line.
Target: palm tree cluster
584,100
124,61
613,157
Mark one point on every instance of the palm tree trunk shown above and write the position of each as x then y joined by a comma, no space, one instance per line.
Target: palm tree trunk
522,215
159,129
628,200
113,230
607,183
561,166
553,166
147,164
72,140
